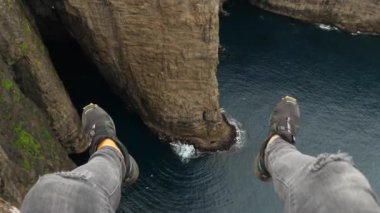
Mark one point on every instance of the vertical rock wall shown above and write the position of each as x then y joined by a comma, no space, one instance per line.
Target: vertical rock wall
23,50
161,57
35,110
350,15
27,147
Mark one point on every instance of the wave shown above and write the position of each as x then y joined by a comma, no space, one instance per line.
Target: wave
186,152
327,27
333,28
240,132
363,33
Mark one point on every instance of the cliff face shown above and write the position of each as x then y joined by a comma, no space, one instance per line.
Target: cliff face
23,50
349,15
35,110
161,58
27,147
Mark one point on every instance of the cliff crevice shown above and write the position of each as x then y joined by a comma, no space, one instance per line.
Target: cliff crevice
23,50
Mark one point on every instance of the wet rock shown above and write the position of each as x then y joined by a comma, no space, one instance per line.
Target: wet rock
349,15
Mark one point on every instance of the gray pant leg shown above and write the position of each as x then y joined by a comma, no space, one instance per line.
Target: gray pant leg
94,187
106,169
328,183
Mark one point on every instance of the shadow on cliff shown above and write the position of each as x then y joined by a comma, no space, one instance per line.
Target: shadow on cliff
84,84
81,80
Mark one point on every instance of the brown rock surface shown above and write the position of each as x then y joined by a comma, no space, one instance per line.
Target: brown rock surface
27,147
6,207
22,48
161,57
349,15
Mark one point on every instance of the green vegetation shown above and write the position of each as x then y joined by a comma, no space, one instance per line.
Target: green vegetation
29,146
26,165
7,85
17,96
51,144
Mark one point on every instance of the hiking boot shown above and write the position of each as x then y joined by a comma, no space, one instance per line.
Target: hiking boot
98,126
284,122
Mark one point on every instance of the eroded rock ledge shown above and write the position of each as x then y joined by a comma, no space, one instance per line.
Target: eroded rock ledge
349,15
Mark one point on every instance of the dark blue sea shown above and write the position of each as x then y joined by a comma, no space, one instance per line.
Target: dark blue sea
334,75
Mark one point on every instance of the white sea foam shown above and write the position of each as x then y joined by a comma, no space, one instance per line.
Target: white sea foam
186,152
327,27
363,33
330,28
240,132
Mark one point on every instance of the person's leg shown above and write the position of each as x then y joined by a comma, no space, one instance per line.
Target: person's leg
105,171
94,186
328,183
283,162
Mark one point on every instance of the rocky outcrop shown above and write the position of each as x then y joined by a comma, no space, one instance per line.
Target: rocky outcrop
160,57
23,50
349,15
35,110
27,147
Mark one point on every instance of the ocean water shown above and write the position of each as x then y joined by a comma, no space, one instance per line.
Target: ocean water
334,75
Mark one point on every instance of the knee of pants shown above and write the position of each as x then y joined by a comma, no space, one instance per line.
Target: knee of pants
55,193
326,158
111,188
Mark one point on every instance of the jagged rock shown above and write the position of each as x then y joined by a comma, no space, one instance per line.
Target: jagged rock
349,15
22,48
160,57
27,147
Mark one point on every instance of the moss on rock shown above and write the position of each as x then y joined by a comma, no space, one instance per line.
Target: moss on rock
27,147
7,85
